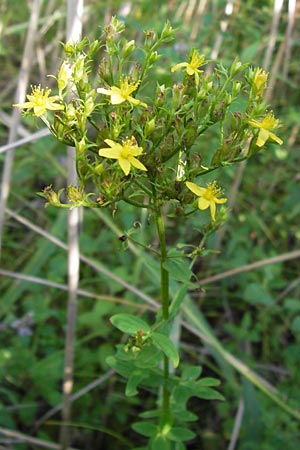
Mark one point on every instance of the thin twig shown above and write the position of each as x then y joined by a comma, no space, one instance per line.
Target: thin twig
31,137
288,37
98,267
74,29
247,267
19,98
34,441
82,292
273,34
237,425
89,387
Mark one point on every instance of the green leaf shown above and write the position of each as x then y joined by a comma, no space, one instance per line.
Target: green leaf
128,323
178,269
191,373
160,443
207,393
182,393
181,434
133,381
208,382
145,428
166,346
123,368
150,414
148,357
178,300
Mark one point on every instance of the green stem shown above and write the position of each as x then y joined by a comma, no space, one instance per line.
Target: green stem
164,286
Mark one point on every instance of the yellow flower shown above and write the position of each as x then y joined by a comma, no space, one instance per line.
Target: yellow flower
192,67
122,94
40,101
125,154
268,123
208,197
260,79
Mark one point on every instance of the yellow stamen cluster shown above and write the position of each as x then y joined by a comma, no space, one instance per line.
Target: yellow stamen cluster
40,101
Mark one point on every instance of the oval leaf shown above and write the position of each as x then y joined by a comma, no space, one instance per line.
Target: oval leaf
128,323
180,434
166,346
145,428
178,269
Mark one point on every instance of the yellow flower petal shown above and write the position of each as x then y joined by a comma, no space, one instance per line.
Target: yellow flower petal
203,203
125,165
213,210
137,164
195,188
179,66
275,138
208,197
125,154
262,138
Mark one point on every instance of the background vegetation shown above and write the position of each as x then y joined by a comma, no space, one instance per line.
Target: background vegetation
248,296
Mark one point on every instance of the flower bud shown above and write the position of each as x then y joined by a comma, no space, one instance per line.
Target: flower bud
98,169
64,76
70,113
69,48
104,71
81,146
236,88
128,48
150,39
94,47
114,27
177,95
153,57
236,120
160,93
168,32
237,67
74,194
149,127
51,196
79,70
89,104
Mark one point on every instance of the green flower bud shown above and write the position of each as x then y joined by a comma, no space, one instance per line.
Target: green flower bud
81,146
94,47
177,95
160,93
79,71
236,67
70,113
51,196
89,104
74,194
168,32
150,39
128,48
98,169
115,27
153,57
149,127
236,88
236,120
69,48
104,71
64,76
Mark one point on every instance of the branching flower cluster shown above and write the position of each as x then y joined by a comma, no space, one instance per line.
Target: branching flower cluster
137,139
